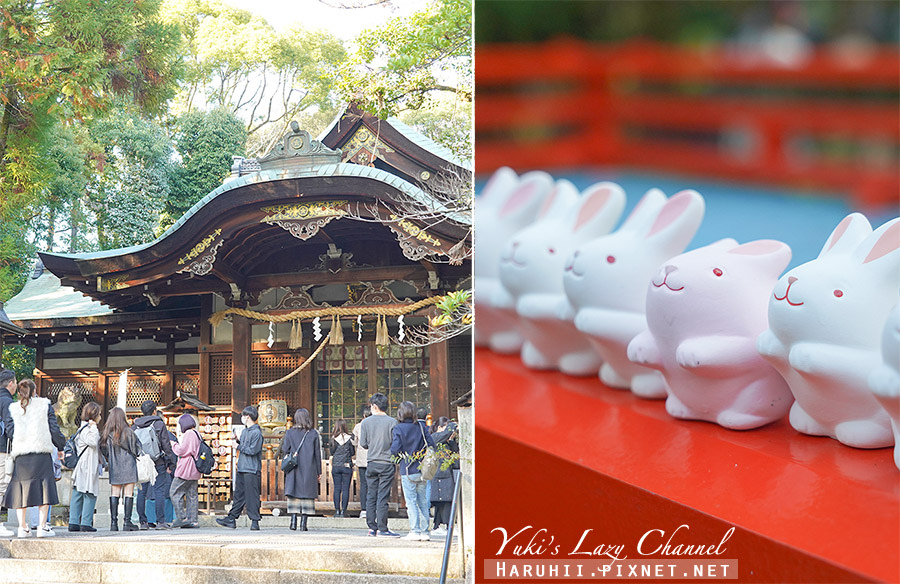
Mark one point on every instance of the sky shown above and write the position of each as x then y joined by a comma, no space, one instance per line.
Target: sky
313,14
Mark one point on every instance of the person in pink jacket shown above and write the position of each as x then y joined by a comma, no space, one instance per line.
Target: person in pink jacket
184,486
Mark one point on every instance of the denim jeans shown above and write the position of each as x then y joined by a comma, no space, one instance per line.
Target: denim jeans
81,509
417,503
341,476
159,490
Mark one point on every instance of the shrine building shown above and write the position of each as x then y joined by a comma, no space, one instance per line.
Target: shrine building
351,220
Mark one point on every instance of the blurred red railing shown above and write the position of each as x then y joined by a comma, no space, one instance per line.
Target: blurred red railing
832,122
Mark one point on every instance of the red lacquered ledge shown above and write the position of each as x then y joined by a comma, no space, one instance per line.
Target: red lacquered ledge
576,454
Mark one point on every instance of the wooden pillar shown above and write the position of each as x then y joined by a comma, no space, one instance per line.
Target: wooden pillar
205,336
439,369
38,357
168,388
240,365
1,349
102,381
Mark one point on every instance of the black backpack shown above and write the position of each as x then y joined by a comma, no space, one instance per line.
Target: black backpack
205,461
70,453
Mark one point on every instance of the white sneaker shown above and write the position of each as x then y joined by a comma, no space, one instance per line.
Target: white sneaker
439,531
424,537
412,536
5,532
22,532
45,532
362,514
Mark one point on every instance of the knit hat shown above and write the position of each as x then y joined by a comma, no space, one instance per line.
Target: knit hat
186,422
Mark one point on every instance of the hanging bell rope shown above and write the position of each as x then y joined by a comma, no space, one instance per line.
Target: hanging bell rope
302,366
296,340
219,317
381,332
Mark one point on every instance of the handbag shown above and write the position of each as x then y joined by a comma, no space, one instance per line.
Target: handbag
430,461
57,466
146,469
290,460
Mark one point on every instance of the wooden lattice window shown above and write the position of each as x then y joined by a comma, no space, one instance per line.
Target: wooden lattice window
140,389
220,380
268,367
86,388
188,383
342,386
403,375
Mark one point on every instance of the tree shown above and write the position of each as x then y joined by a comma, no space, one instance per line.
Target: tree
129,194
206,143
398,65
238,62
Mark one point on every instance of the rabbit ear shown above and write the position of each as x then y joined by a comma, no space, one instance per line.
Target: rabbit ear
499,186
678,220
849,233
770,254
559,202
881,250
644,213
527,196
599,208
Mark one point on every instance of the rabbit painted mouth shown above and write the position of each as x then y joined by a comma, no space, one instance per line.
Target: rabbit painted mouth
791,281
663,283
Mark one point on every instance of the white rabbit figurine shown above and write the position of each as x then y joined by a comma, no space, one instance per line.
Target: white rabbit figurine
606,281
531,271
825,322
885,380
508,204
705,309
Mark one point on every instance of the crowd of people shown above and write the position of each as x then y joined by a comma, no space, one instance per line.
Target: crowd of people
31,444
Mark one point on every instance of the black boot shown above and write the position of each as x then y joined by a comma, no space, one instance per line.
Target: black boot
114,514
293,522
303,518
127,525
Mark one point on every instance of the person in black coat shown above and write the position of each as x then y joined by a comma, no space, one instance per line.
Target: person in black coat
7,389
301,485
342,451
443,483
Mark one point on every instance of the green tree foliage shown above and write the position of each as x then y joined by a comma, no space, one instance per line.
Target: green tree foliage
206,142
447,121
62,62
129,193
20,359
238,62
398,65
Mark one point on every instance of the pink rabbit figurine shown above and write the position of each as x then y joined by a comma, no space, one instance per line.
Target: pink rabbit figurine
531,271
885,380
825,323
508,204
606,281
705,309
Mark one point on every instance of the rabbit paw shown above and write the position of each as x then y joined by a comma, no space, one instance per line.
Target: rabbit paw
650,385
802,359
805,424
885,383
865,433
610,378
677,409
768,345
687,356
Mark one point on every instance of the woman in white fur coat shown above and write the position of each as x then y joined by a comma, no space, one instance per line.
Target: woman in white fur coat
36,439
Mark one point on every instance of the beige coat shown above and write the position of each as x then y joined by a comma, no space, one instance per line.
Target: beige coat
361,458
85,477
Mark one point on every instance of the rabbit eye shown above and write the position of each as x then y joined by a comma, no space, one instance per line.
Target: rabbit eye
838,293
551,250
611,259
717,272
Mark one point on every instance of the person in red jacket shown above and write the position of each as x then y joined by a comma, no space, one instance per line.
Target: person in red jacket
184,486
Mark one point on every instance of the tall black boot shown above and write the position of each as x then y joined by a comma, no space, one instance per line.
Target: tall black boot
114,514
303,518
293,522
127,525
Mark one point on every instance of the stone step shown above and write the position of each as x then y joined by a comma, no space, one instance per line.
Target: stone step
322,550
96,572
